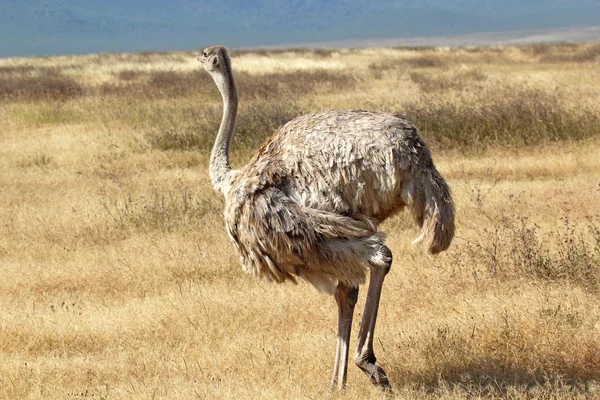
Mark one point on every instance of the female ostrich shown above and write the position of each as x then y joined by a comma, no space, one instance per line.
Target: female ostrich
308,204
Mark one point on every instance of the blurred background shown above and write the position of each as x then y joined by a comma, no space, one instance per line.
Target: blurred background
39,27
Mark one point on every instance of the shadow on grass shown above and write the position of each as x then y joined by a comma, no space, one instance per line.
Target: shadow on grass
489,376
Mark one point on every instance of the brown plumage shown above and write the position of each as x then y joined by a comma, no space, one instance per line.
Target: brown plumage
308,203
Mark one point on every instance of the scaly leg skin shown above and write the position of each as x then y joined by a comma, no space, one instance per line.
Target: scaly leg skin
365,357
345,297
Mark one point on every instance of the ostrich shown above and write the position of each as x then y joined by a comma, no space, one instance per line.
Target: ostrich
308,204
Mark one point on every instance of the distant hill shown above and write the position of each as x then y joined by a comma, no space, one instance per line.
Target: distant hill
40,27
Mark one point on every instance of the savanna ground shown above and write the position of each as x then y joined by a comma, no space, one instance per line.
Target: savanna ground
118,280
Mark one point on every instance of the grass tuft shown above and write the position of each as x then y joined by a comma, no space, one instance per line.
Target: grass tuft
505,116
429,83
40,84
511,247
162,210
565,52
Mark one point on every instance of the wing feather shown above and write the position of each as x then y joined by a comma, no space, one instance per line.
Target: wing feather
278,239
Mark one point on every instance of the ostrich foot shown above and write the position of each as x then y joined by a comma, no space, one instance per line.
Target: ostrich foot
376,374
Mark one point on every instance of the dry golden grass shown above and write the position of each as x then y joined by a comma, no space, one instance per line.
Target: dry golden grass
119,280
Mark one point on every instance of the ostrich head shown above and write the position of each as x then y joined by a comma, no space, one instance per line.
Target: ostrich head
215,60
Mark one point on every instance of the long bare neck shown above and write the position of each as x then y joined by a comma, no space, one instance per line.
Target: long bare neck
220,169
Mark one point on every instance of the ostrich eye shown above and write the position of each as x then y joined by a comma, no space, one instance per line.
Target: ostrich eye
205,54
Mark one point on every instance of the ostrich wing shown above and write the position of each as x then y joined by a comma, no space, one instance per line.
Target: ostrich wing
279,240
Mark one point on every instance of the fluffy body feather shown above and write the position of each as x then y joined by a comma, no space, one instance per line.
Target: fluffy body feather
308,204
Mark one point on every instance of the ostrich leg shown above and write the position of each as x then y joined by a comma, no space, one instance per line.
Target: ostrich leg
365,357
345,297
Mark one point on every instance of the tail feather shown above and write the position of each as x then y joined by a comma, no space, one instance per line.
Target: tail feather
433,209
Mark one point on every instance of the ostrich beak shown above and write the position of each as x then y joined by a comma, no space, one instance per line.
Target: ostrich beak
201,59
